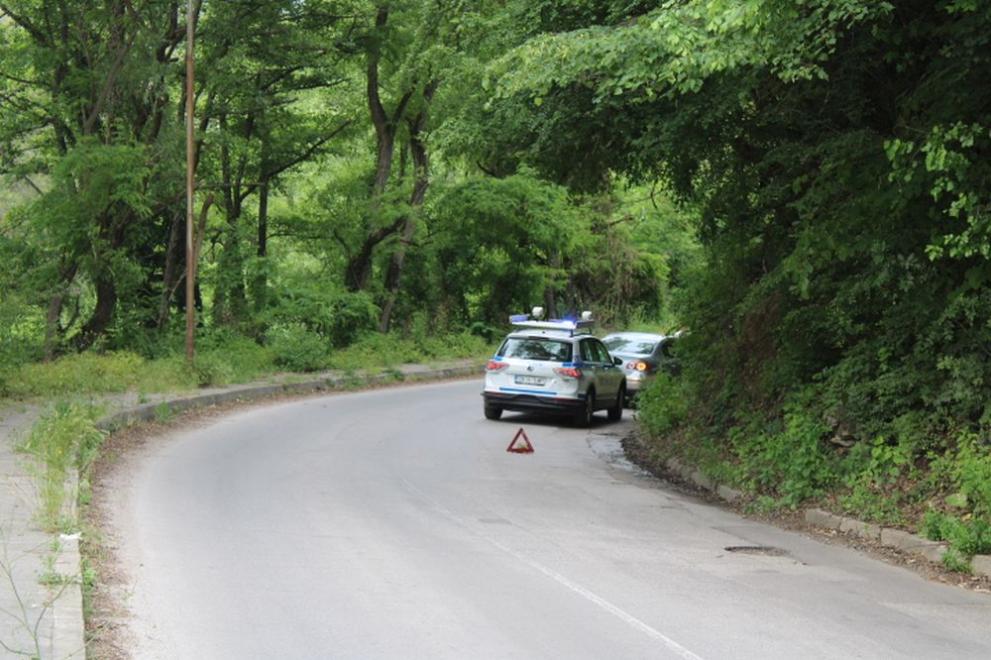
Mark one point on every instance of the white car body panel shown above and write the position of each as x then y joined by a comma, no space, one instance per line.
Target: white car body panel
525,383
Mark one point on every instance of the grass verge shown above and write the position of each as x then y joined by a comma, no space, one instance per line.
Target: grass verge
229,361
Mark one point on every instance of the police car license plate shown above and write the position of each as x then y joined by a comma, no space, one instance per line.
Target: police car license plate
529,380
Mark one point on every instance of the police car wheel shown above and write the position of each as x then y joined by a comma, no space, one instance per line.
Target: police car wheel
493,412
616,412
584,417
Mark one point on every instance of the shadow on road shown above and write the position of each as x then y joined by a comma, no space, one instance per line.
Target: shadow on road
557,421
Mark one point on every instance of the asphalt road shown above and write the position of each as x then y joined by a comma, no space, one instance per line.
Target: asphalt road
393,524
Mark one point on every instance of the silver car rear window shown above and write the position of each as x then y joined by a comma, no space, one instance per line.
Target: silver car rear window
527,348
629,346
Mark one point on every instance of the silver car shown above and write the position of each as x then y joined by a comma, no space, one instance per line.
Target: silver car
643,355
554,367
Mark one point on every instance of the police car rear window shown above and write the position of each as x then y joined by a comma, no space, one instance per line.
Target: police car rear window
547,350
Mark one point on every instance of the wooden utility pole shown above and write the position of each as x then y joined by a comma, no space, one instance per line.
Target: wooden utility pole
190,188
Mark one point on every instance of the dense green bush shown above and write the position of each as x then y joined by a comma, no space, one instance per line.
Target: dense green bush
662,404
224,357
503,244
213,368
298,348
792,463
972,474
968,537
339,316
377,349
21,330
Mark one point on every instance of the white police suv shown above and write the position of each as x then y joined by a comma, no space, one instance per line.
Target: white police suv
554,366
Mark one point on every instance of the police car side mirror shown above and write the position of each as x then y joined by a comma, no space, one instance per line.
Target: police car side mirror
617,361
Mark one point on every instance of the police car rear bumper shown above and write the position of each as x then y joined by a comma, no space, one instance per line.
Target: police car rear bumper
532,403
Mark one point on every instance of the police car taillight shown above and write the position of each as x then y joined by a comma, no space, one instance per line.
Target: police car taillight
568,372
495,365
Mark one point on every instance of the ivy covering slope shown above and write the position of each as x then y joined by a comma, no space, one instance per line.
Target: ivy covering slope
840,154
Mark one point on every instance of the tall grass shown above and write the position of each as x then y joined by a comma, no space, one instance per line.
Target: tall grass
91,373
233,360
64,438
378,350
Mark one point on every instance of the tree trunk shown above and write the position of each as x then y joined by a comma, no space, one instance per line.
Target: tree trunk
230,298
106,303
260,284
53,327
421,181
170,277
113,230
357,272
394,273
383,161
550,302
52,331
359,268
550,291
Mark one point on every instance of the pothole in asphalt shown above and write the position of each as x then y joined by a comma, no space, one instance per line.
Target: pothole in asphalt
766,550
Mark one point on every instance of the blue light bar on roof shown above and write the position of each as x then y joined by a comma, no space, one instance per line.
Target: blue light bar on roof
569,326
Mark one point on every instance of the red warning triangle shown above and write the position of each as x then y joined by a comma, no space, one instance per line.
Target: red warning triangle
525,448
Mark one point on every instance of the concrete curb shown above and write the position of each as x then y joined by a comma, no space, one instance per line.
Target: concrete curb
150,411
68,635
68,626
898,539
697,478
893,538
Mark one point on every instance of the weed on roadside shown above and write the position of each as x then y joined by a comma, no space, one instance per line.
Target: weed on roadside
954,561
163,413
64,438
